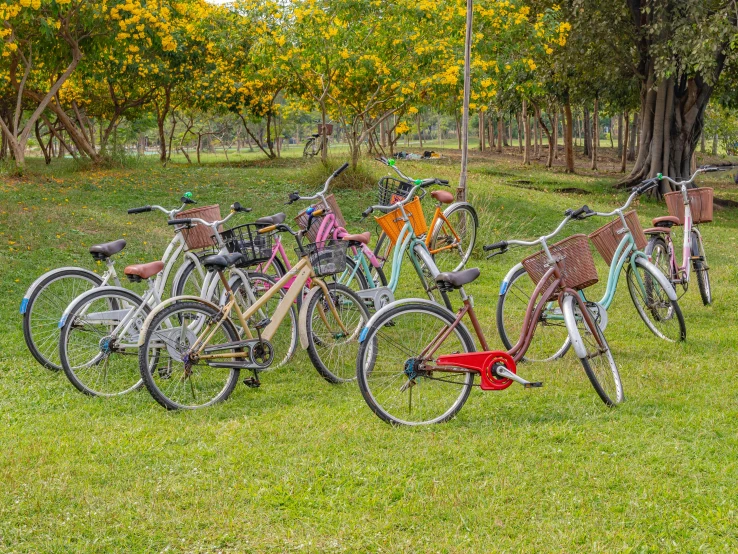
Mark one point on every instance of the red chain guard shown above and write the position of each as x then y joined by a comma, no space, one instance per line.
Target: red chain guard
482,362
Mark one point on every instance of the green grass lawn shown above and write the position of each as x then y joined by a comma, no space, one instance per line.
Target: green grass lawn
303,465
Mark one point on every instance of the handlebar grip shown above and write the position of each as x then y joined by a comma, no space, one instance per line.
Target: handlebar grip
294,197
268,229
502,245
340,170
577,214
182,221
443,182
367,212
645,186
711,169
139,210
237,207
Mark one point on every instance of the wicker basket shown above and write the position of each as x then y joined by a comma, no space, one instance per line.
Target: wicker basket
328,128
392,223
327,257
575,262
700,202
246,239
302,217
608,237
199,236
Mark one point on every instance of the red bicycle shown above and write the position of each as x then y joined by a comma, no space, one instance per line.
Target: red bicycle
417,361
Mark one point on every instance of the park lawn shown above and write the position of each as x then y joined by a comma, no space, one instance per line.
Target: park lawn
303,465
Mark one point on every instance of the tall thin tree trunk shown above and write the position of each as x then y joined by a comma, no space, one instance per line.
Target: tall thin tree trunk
595,133
568,138
500,132
624,145
526,132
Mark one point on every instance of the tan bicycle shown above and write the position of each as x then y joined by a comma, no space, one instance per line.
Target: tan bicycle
191,351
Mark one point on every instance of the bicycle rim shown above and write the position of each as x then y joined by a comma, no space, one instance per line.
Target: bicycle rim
456,241
661,315
171,375
390,372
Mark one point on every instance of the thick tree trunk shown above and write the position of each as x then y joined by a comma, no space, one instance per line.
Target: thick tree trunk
568,138
702,141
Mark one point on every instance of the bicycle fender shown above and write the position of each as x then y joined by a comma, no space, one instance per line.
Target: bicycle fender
24,302
379,313
188,257
165,304
302,317
571,326
84,296
454,205
506,281
660,277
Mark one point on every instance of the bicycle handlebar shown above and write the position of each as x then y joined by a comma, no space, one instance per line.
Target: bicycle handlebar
295,196
139,210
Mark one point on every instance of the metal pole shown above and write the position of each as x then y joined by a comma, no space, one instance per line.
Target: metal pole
461,191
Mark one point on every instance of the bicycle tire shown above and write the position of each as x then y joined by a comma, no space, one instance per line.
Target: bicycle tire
45,348
124,380
284,344
518,289
599,366
450,256
148,375
701,269
308,150
655,301
389,327
335,367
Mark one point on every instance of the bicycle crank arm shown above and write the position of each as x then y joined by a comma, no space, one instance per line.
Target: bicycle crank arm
503,373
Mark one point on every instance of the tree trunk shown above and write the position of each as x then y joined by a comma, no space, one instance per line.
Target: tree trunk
624,145
620,134
526,131
420,131
481,131
519,121
323,135
568,138
556,135
500,132
587,133
702,141
595,133
491,131
714,145
632,143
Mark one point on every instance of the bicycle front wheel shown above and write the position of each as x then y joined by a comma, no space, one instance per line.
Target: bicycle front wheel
98,344
593,351
551,339
333,343
391,372
452,243
173,371
701,269
43,310
661,315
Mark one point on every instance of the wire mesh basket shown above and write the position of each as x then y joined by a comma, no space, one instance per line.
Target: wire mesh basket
393,190
327,257
245,239
199,236
393,222
302,218
608,237
700,204
575,261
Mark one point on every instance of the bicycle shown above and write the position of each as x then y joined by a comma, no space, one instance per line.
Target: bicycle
450,244
313,146
661,245
99,329
621,244
185,343
417,361
48,296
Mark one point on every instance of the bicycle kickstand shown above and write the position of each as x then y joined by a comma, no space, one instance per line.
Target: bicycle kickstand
503,373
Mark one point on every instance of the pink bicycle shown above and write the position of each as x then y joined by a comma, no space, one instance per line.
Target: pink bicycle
688,207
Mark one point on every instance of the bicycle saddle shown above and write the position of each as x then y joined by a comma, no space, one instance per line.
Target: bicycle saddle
363,238
143,271
107,249
665,221
275,219
457,279
221,261
443,196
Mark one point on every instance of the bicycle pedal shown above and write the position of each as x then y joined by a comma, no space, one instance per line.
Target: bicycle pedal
252,382
262,324
536,385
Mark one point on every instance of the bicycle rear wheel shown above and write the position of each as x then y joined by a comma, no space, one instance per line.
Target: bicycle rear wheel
98,358
391,373
661,315
170,368
43,310
594,352
454,243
